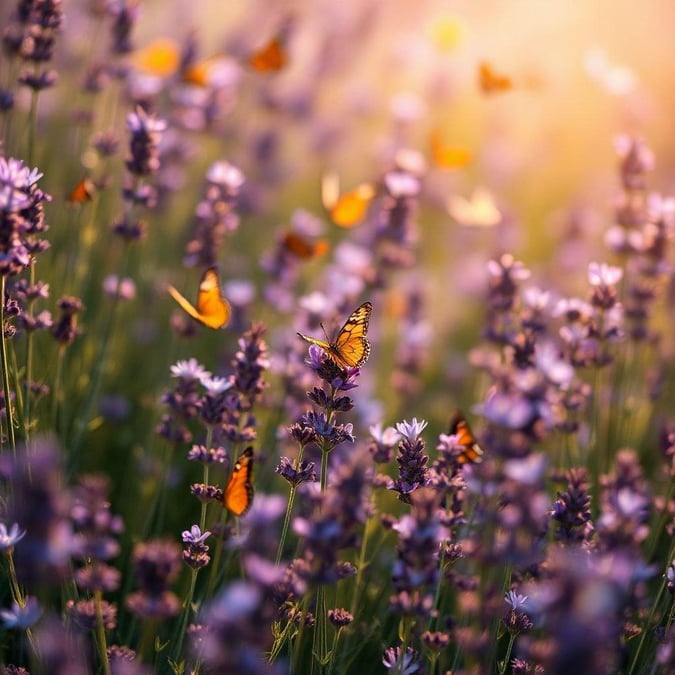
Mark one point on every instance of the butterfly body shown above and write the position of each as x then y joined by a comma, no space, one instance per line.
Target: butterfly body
238,494
211,308
472,452
351,348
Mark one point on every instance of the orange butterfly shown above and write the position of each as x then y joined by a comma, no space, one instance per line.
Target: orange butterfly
212,309
448,156
351,348
159,58
492,82
270,58
238,494
84,191
350,208
302,247
472,452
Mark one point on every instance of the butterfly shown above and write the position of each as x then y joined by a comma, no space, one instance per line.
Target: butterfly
351,348
472,453
84,191
347,209
479,211
212,309
302,247
159,58
238,494
492,82
448,156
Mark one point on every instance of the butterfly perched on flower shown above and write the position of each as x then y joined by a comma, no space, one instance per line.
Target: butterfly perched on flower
211,308
492,82
351,348
472,452
238,494
349,208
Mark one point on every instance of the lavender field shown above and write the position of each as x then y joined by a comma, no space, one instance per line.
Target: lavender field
337,337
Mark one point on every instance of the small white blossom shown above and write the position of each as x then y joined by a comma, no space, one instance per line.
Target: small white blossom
411,430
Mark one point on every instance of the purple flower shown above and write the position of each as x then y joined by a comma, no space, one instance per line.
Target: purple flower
9,539
397,661
189,370
515,600
22,616
195,536
411,430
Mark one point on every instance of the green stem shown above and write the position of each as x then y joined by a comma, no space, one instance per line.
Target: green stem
217,553
289,509
98,370
100,633
9,416
205,478
32,126
320,637
504,664
185,616
57,394
29,366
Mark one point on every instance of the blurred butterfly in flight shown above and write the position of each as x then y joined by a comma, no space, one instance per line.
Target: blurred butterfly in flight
492,82
351,348
238,494
273,55
211,308
478,211
303,247
472,452
349,208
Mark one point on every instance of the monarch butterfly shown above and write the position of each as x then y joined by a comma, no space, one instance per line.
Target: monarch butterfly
347,209
492,82
238,494
351,348
479,211
472,452
212,309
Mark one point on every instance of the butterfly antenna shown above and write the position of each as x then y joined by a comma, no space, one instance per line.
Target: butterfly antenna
324,332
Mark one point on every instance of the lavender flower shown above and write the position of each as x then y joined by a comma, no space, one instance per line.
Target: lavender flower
195,551
22,219
157,564
9,539
21,617
215,216
41,505
395,660
412,462
415,573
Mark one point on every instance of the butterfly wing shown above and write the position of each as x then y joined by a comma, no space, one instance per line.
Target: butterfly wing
212,309
492,82
270,58
351,348
238,494
313,341
472,452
